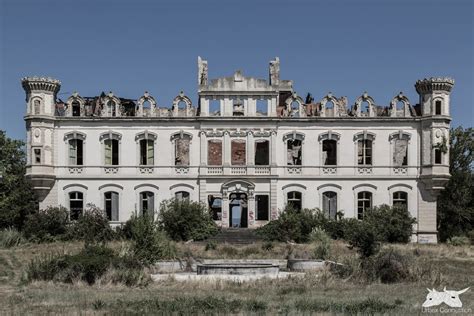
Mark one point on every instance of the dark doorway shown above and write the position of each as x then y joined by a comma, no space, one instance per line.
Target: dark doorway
238,210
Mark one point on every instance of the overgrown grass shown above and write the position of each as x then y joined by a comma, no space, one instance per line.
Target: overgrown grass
10,237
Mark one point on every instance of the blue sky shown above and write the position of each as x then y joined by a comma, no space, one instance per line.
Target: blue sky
346,47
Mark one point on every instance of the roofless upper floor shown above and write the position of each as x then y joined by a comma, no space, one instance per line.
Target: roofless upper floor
236,96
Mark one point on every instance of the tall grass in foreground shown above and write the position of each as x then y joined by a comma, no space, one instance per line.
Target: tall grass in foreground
10,237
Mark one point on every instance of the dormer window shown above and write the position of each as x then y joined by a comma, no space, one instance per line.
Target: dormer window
238,108
76,108
111,108
37,106
438,107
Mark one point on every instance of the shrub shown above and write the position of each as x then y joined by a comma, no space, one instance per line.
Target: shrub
388,266
323,243
459,241
10,237
92,227
390,224
211,245
149,243
362,237
292,225
47,225
186,220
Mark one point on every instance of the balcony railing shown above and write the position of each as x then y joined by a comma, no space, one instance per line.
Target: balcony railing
262,170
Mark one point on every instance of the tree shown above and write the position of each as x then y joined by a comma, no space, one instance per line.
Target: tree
17,198
456,203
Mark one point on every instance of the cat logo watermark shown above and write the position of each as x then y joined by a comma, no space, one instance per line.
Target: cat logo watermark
448,297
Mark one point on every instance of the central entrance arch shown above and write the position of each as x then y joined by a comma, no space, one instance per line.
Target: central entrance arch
238,204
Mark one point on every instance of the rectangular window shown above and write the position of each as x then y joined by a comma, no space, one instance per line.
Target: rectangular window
400,152
330,152
147,203
182,151
238,153
262,207
75,152
293,151
76,205
111,206
330,204
37,155
214,152
364,203
262,107
364,152
400,198
147,152
214,108
438,107
111,152
262,152
294,200
438,156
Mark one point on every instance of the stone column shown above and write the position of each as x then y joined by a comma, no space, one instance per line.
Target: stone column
250,153
226,152
273,199
273,152
203,148
225,209
203,191
272,105
204,106
251,208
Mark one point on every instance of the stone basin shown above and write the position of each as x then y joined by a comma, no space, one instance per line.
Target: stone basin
305,265
238,268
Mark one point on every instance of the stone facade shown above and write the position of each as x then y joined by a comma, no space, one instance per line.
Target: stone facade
247,149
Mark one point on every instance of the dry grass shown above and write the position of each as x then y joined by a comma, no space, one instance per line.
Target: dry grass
322,293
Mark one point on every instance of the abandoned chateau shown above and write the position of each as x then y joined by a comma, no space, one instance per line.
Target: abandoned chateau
249,147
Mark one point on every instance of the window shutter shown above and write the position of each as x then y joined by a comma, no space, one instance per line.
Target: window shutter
72,152
115,206
108,151
151,203
326,204
150,152
333,206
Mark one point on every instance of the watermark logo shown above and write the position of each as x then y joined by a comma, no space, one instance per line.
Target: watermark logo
449,297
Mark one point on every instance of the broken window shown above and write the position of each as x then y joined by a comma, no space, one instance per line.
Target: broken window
400,152
76,108
294,151
111,108
330,204
182,150
75,152
214,108
181,196
262,107
238,152
364,152
438,156
37,107
214,152
294,200
262,207
147,148
111,201
238,107
364,107
76,205
262,151
295,109
400,198
147,203
329,152
364,203
329,108
438,107
111,147
37,155
215,205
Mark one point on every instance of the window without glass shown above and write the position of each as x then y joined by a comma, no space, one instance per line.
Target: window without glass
37,106
364,203
111,152
147,147
75,152
438,107
181,195
330,204
400,198
238,108
111,206
238,153
364,152
438,156
295,109
400,152
182,150
37,155
214,152
76,205
76,108
262,207
215,205
262,107
294,200
214,108
330,152
262,151
294,152
147,203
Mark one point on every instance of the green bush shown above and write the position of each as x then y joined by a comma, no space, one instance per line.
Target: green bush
88,265
185,220
361,236
292,225
322,243
92,227
390,224
10,237
211,245
47,225
388,266
459,241
149,242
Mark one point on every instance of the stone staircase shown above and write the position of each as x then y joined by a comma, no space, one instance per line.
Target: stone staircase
236,236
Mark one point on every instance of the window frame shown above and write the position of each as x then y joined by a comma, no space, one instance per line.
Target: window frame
81,199
294,193
257,218
106,199
364,199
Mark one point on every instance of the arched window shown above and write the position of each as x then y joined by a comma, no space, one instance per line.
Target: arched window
364,203
364,152
330,204
365,107
147,150
181,195
75,152
76,205
111,108
147,203
111,207
400,198
262,153
295,109
37,106
329,152
438,107
294,200
76,108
